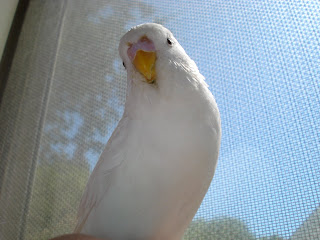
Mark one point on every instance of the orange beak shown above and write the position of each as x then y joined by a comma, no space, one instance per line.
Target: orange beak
144,62
143,56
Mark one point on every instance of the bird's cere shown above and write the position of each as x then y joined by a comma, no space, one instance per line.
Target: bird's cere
144,44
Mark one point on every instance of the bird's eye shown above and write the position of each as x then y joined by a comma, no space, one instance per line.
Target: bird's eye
169,41
123,64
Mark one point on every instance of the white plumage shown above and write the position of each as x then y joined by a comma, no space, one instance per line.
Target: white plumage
160,160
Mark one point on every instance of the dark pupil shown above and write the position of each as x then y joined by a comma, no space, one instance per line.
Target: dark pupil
123,64
169,41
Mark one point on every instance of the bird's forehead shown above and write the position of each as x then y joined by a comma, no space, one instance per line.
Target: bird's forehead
154,32
151,30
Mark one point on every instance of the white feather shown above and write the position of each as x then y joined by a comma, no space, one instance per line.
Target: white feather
159,162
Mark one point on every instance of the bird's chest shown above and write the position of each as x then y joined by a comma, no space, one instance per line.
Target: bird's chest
168,173
170,157
172,147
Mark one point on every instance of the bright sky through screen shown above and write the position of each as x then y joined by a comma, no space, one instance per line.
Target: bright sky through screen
262,62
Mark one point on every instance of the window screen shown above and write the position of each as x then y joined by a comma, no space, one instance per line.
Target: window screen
66,91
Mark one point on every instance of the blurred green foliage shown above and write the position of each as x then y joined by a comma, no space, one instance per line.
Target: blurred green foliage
225,228
218,229
57,191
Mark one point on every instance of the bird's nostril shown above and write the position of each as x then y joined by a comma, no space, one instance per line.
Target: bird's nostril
144,39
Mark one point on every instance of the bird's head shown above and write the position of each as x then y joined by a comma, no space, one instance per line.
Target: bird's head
144,50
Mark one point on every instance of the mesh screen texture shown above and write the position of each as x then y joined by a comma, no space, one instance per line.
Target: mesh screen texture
66,91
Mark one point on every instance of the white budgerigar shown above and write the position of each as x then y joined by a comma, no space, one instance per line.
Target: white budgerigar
159,162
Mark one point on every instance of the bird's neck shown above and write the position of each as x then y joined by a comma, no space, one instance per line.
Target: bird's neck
144,100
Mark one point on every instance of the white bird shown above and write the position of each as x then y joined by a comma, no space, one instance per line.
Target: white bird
159,162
